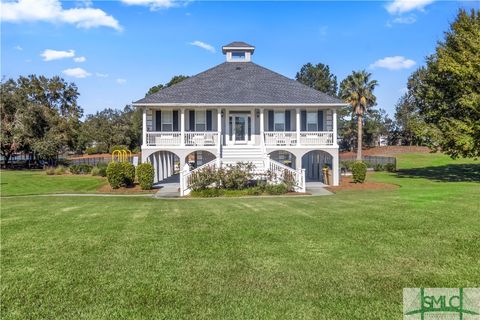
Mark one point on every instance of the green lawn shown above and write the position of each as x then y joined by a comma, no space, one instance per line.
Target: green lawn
31,182
346,256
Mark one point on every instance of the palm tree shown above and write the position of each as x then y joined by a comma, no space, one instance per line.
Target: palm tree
357,90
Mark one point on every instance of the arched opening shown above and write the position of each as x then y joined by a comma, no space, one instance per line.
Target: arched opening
284,157
313,162
166,165
198,158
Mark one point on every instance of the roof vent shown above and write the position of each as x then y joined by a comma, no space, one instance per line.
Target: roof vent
238,51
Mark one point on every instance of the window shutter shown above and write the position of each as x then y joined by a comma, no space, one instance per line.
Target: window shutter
249,126
175,120
287,120
270,120
303,126
209,120
320,120
158,120
192,120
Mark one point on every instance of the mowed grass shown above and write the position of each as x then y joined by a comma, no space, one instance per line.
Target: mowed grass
346,256
32,182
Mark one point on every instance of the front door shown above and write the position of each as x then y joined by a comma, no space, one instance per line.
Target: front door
240,129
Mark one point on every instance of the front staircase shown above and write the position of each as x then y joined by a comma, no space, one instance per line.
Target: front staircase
234,154
256,155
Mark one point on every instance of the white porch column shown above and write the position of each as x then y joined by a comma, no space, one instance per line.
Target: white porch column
219,131
182,127
262,127
334,116
336,168
297,124
144,127
227,126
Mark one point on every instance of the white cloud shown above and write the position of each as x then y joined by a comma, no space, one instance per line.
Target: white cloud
121,81
402,6
80,59
18,48
393,63
405,20
203,45
155,4
49,54
76,73
52,11
101,75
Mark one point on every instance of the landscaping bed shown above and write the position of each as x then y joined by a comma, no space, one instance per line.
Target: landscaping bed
346,183
135,189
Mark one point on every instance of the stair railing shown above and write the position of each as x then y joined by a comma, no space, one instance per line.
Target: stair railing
186,176
279,172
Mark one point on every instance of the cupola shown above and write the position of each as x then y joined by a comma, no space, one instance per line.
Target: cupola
238,51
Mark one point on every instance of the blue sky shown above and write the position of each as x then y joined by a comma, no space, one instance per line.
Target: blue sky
115,50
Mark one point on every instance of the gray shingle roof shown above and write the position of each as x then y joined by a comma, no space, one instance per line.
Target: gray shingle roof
239,83
239,44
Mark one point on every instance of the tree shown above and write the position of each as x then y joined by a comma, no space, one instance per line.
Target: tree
448,93
40,115
318,77
410,124
174,80
357,90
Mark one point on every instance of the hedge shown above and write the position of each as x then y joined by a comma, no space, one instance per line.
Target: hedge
115,175
128,173
145,174
359,172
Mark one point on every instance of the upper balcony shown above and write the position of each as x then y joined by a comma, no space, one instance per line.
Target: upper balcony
182,127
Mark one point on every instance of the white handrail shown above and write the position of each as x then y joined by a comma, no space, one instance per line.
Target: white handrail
185,175
279,170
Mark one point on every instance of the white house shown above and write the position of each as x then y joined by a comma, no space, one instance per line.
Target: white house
240,111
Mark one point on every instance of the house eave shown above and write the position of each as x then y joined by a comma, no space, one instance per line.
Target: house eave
240,105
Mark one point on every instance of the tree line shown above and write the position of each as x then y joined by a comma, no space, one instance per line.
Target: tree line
441,108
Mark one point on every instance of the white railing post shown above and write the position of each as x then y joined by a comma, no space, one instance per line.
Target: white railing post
144,127
303,183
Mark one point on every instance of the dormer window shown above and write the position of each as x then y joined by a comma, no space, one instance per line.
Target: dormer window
238,51
238,55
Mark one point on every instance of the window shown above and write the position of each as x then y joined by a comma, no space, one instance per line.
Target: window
238,55
200,120
279,121
167,121
312,121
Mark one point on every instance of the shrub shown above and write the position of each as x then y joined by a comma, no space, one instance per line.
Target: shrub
117,147
60,170
207,193
115,175
145,174
346,164
50,171
275,189
288,179
254,191
136,150
359,171
204,178
100,171
80,168
237,176
378,167
390,167
128,173
91,150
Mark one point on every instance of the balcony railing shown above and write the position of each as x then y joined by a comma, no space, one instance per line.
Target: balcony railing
163,139
323,138
157,139
201,138
280,138
307,138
